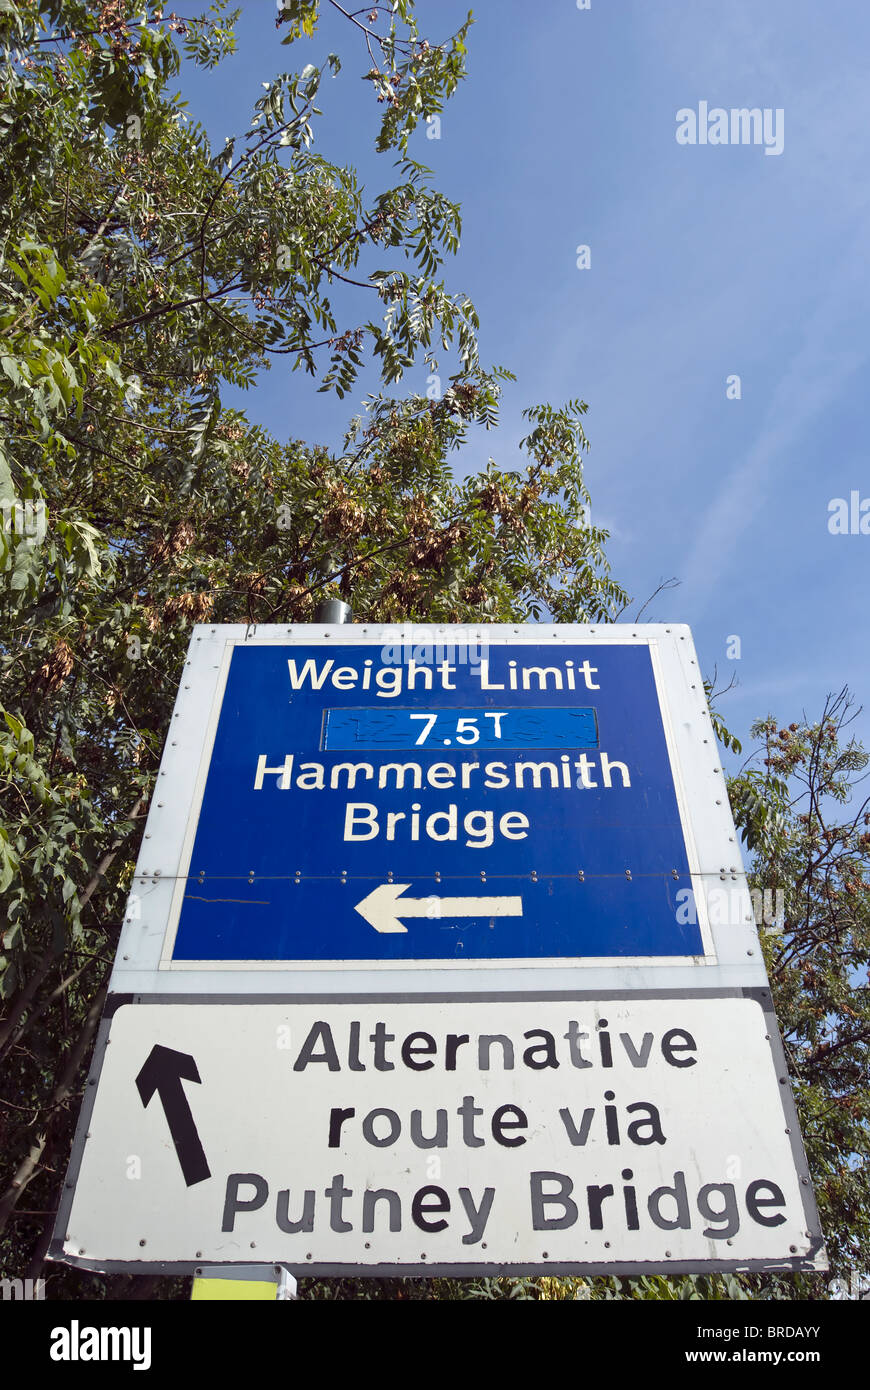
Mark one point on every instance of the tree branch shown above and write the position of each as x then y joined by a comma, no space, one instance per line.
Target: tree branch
28,1167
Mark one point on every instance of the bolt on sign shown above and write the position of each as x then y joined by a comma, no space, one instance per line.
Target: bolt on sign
421,972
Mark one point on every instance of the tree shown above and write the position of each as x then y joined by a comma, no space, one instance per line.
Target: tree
140,273
810,836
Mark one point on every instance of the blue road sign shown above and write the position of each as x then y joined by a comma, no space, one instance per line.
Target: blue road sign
517,806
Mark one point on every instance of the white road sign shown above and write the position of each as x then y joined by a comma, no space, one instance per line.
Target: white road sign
412,1137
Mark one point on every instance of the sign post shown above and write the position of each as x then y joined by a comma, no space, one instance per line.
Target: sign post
440,958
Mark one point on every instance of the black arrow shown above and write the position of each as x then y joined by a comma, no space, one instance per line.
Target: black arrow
164,1072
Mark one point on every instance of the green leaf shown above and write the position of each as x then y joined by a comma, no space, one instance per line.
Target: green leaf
15,725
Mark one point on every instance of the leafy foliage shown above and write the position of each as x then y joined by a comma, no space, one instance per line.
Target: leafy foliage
810,834
140,273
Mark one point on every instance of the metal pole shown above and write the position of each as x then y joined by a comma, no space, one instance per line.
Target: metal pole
333,610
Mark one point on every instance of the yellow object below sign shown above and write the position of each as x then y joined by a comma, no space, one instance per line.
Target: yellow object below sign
234,1289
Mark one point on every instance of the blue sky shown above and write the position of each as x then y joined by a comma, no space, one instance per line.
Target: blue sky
706,261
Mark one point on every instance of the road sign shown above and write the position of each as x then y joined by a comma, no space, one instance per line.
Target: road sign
444,1135
455,921
545,775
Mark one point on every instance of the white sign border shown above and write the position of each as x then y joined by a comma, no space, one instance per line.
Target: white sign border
732,954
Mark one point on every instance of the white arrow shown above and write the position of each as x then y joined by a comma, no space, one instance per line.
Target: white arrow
384,906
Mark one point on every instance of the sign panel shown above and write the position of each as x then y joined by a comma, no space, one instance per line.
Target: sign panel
363,803
574,1134
439,957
